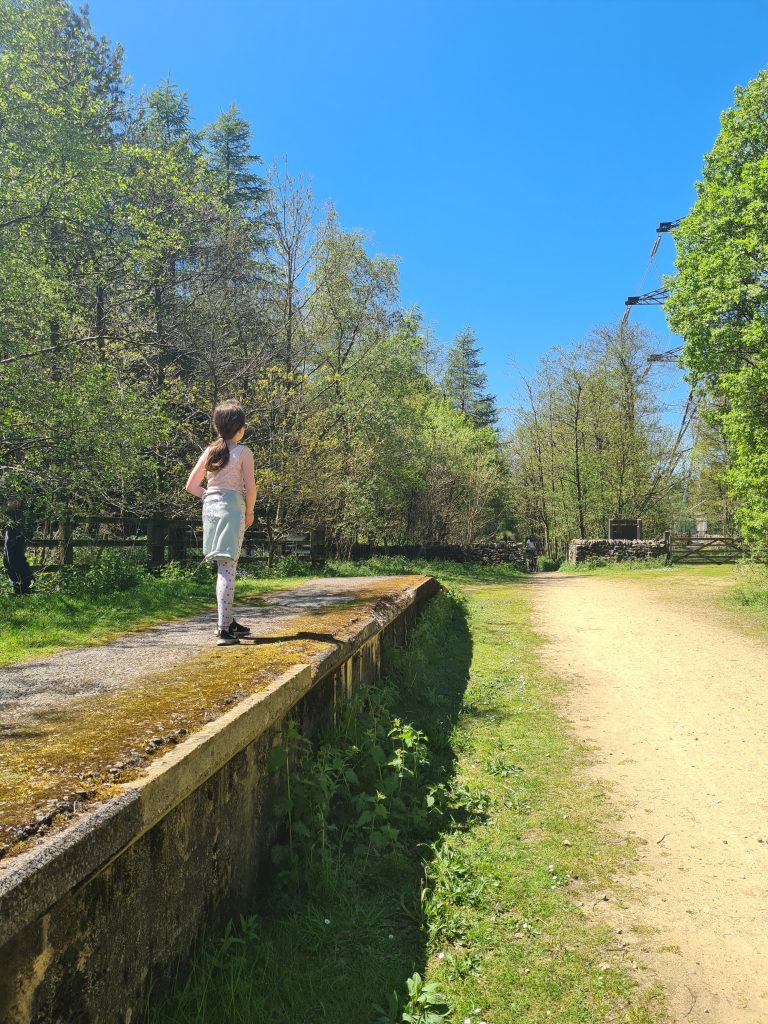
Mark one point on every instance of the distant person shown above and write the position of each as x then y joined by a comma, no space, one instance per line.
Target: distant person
228,504
531,554
15,537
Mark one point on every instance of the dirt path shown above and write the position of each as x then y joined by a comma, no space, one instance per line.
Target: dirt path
674,701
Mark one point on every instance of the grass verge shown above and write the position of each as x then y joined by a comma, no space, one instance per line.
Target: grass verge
437,849
606,568
750,588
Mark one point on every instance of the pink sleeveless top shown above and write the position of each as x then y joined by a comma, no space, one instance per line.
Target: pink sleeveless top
230,477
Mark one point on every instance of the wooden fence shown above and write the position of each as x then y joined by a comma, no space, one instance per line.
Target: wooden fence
160,541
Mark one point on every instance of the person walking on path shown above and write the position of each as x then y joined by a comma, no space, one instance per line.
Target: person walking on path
15,538
228,503
531,554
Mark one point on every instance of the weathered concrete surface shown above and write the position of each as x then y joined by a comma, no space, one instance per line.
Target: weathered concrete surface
121,890
73,724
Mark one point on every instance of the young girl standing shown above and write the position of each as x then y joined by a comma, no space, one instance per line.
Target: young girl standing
228,503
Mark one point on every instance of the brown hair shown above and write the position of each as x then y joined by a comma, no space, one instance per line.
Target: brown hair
228,418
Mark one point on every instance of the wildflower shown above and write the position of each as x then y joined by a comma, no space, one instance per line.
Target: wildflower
327,921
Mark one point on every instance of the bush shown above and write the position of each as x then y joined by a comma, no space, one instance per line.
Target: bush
549,564
110,573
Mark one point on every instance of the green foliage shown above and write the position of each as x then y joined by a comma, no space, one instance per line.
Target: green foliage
109,574
546,564
717,301
425,1005
89,604
589,444
354,798
148,271
751,589
465,381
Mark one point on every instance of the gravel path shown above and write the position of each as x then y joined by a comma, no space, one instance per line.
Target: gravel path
672,697
28,689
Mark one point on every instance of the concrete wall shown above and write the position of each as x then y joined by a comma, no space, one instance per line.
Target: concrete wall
120,897
616,550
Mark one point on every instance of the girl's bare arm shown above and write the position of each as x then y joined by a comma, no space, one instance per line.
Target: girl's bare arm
195,479
250,486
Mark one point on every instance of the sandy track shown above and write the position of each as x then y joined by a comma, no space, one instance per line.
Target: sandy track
674,701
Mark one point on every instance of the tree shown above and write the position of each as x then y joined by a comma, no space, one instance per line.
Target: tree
589,443
465,381
228,152
719,296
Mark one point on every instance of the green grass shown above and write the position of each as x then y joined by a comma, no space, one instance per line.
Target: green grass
481,898
604,568
446,572
44,623
751,588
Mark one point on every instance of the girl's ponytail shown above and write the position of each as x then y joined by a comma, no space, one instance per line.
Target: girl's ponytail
228,418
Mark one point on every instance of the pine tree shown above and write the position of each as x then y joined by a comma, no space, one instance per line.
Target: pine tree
229,156
465,381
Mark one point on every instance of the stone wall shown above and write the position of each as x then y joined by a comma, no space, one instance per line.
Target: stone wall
500,552
616,550
98,911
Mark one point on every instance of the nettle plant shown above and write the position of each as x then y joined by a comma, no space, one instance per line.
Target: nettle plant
358,792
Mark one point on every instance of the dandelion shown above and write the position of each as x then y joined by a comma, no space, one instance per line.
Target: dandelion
327,920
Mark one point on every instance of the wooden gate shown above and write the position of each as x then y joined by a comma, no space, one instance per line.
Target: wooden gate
704,549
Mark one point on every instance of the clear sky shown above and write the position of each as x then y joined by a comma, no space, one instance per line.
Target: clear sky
516,156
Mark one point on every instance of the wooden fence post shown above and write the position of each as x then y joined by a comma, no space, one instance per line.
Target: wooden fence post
177,540
67,554
155,542
317,545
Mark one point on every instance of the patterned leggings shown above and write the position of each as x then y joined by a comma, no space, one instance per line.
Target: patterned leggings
225,590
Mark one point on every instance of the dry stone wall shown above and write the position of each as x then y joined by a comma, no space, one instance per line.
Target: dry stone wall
502,552
616,550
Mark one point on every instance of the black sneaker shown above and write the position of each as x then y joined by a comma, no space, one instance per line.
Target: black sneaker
226,639
237,629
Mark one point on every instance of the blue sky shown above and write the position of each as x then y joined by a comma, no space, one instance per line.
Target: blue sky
516,156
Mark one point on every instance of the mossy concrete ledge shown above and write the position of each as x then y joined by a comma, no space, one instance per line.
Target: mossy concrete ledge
114,901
